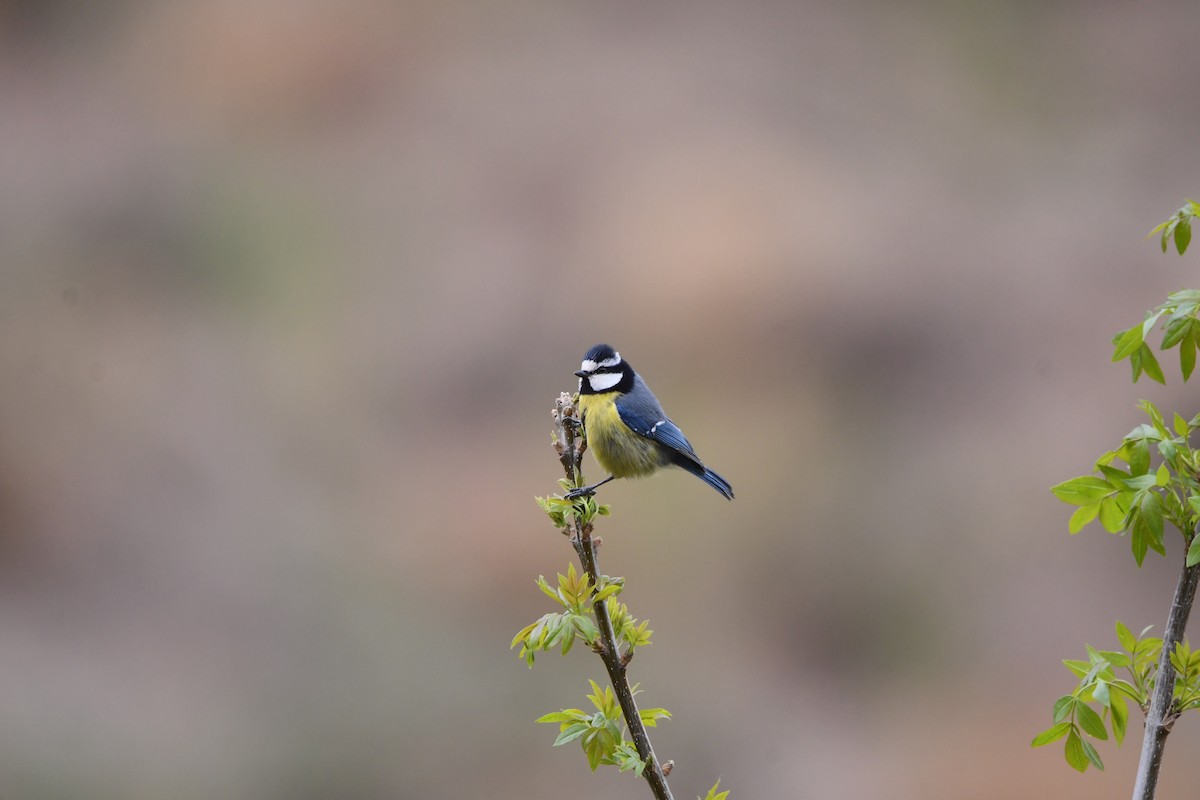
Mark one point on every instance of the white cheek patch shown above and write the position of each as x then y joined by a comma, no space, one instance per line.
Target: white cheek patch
605,381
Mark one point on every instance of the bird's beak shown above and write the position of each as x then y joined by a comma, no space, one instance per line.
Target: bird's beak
582,373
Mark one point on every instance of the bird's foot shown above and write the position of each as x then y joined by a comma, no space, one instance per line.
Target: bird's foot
586,491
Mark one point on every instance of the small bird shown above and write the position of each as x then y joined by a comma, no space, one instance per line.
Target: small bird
626,426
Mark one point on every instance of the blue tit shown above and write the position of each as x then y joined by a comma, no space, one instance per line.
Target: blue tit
626,427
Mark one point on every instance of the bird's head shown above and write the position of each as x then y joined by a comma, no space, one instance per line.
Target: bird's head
602,370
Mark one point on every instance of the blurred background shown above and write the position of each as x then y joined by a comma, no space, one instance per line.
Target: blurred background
288,289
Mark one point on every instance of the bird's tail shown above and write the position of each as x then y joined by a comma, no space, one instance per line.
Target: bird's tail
692,464
717,482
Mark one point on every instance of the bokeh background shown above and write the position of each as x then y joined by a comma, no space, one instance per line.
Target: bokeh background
287,290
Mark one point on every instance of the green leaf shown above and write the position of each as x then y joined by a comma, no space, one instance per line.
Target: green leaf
1148,323
1135,364
1120,716
1085,490
714,795
1073,751
1156,420
1114,476
1051,734
1183,297
1179,658
1148,648
1168,229
1162,477
549,592
606,592
1090,721
1091,754
626,758
1183,234
1137,543
522,634
571,733
1193,552
587,629
1151,515
1187,353
595,751
1175,329
1136,451
597,695
1141,482
557,631
1063,707
1149,364
638,636
566,715
1126,343
1080,668
1082,516
1112,513
1101,694
1115,658
1096,666
651,716
1126,637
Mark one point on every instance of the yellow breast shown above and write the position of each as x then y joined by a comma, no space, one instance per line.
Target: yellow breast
619,450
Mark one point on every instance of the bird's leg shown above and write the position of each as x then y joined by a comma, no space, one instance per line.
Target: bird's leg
584,491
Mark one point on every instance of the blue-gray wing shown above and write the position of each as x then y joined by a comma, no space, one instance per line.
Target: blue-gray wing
641,411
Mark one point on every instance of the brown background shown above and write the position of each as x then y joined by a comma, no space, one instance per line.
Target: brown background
288,289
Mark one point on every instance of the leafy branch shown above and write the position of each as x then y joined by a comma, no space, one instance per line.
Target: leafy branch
1178,315
1110,679
591,613
1138,499
1178,227
1180,328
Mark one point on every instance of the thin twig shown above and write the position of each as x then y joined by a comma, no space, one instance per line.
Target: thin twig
1162,713
570,444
